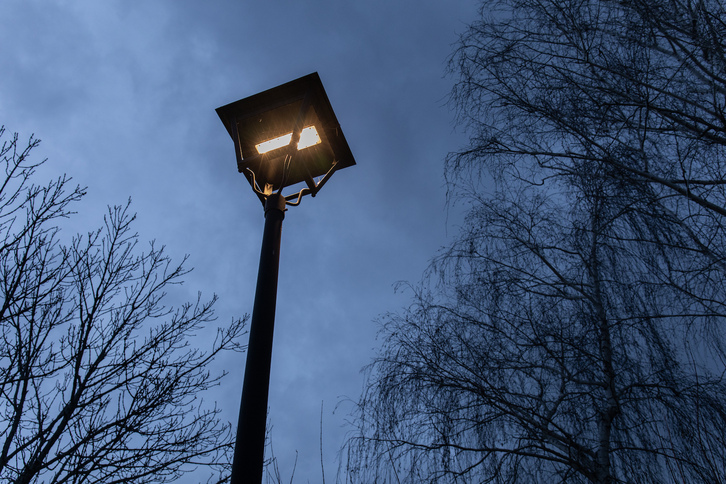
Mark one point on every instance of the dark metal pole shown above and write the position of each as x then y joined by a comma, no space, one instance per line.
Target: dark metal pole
249,450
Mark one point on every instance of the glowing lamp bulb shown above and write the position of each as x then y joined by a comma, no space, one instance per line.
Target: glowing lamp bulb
308,137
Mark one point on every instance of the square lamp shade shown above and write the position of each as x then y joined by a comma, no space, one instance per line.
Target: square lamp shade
287,135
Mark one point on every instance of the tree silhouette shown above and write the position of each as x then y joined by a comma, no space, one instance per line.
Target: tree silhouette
99,379
575,330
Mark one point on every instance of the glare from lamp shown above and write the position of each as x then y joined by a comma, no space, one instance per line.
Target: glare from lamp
308,137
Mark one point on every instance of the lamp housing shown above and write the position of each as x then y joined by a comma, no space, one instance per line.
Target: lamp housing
287,135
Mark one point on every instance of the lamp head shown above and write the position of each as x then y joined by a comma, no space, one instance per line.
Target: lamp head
285,136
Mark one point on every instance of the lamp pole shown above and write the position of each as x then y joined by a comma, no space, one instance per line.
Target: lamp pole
261,126
249,449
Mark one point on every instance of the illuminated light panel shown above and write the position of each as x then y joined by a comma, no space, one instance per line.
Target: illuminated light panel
308,137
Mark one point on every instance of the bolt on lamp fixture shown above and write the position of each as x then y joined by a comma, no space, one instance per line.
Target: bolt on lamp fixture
285,136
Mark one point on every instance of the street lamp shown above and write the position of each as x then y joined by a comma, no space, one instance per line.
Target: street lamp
287,136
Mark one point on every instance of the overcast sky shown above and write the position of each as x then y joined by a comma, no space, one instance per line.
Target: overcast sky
123,94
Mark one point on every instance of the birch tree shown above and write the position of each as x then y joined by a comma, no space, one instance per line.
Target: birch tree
574,332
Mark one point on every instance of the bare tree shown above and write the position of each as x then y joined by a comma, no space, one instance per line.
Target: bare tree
99,379
575,331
